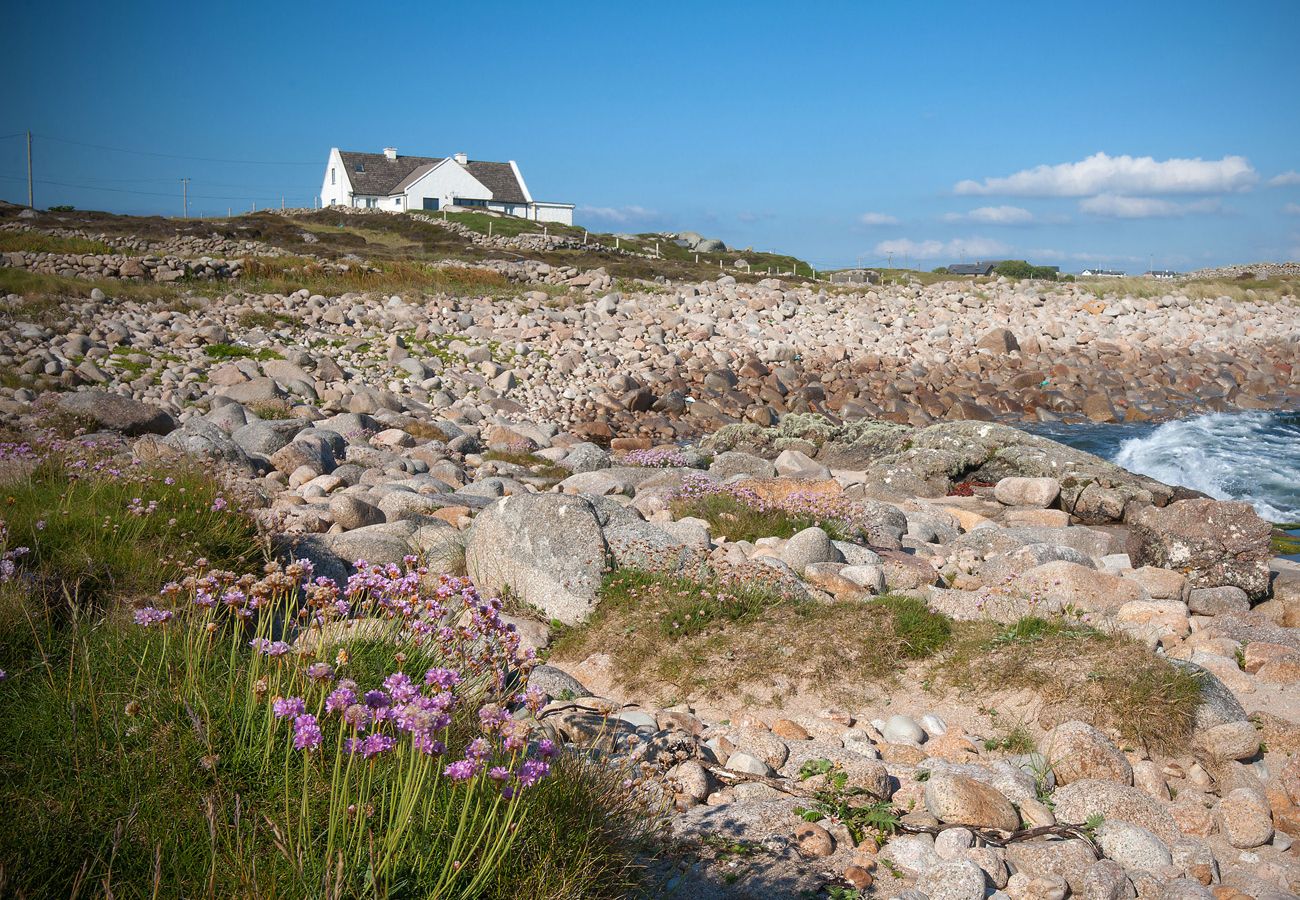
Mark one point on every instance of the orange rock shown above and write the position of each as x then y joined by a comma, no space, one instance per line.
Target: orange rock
791,731
1257,653
1280,670
452,514
859,877
814,840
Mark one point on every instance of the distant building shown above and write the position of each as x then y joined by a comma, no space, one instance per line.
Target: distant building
975,268
855,276
1162,274
1102,273
393,182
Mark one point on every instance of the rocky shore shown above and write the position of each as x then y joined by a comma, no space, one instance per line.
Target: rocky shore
811,461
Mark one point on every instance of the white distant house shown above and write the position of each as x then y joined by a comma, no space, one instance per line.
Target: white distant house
1102,273
391,181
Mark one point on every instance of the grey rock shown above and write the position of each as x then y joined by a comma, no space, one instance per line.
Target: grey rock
117,413
548,549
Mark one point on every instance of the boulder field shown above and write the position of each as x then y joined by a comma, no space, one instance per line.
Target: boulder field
980,521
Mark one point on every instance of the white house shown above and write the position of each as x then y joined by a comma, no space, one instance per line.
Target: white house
390,181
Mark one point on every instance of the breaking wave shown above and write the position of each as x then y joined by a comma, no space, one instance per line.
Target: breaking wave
1250,456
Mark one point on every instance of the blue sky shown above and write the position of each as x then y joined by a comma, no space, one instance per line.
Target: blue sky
1095,133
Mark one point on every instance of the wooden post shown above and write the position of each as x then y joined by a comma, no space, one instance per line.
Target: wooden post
616,243
30,201
489,228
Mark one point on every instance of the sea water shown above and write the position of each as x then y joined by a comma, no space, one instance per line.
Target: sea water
1250,456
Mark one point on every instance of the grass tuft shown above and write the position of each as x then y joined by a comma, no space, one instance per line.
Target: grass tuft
721,634
1079,672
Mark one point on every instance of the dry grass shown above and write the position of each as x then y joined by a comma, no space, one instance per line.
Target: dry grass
40,242
680,638
285,274
1109,680
1270,290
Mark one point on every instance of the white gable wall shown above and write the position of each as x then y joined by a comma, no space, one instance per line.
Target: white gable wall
335,189
446,182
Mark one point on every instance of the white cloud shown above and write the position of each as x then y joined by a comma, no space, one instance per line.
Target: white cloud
1286,179
1292,209
1115,206
617,214
974,247
877,218
993,215
1084,257
1104,174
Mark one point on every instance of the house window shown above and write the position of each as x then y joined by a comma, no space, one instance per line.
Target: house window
333,201
332,174
397,202
466,201
361,167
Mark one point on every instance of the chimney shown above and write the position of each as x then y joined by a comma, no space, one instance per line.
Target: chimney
461,158
390,152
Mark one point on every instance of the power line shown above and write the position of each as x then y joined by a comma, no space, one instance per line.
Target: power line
91,187
170,156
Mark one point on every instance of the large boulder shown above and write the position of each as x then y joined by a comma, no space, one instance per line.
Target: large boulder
959,800
117,413
549,550
1080,586
1213,542
1077,801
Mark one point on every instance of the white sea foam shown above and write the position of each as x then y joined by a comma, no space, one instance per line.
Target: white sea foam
1251,456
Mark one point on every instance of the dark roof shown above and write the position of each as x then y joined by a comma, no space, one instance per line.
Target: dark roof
381,176
971,268
499,178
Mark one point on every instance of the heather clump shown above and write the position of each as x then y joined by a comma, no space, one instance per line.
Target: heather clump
743,514
656,458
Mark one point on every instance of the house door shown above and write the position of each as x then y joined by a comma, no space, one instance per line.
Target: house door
431,203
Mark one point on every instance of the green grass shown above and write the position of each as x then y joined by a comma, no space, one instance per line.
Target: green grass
1108,679
1284,541
39,242
85,538
236,351
681,637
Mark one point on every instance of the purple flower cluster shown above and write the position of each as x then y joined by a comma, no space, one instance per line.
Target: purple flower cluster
9,557
267,647
656,458
149,616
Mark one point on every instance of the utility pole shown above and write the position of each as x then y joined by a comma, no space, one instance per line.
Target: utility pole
185,196
30,202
